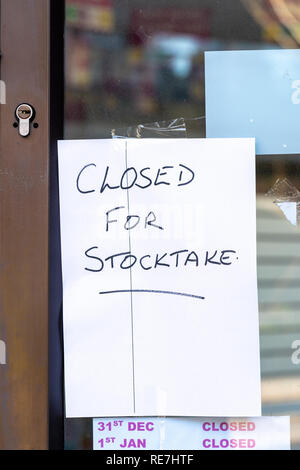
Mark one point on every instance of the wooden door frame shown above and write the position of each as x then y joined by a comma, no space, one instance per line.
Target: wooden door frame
55,334
31,66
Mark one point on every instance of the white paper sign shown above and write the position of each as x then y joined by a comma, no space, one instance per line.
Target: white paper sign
263,433
159,275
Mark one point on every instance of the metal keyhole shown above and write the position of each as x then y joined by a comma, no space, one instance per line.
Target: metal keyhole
24,114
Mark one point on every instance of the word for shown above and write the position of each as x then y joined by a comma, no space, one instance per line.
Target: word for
233,426
143,178
131,221
180,258
231,443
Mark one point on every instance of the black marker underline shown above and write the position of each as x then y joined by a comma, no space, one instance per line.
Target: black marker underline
151,291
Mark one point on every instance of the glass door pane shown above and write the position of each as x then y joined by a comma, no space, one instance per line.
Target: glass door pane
141,61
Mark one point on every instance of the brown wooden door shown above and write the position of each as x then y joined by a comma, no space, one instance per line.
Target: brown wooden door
24,225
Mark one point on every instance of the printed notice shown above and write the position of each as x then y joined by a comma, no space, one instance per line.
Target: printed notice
263,433
159,277
254,94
